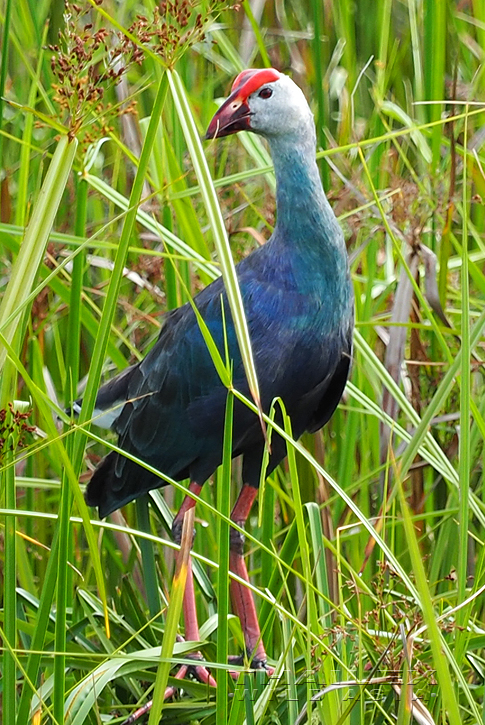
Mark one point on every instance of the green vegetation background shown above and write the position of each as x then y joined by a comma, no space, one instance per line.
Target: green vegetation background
367,552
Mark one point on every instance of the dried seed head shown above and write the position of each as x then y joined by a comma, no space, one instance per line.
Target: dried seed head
13,429
88,60
174,27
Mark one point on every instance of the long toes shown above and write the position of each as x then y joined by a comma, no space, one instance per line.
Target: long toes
202,674
269,669
256,664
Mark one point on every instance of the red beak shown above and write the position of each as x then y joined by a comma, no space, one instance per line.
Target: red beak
233,116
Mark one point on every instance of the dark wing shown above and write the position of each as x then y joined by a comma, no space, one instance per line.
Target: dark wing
159,422
174,415
332,395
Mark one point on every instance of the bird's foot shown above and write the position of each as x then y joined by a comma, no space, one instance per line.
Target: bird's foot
199,671
257,663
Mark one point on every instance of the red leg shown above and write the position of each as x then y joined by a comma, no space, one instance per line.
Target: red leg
241,596
189,607
190,614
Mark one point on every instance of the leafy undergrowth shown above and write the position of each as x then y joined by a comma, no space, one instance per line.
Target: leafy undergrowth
366,549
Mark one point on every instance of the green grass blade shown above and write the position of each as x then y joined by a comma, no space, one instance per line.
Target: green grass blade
173,617
217,225
257,34
115,281
439,662
148,556
223,506
33,246
9,697
4,67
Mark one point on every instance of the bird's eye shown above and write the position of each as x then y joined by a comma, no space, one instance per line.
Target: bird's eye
265,93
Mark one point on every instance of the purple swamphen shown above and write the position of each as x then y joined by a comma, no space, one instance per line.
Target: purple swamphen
168,409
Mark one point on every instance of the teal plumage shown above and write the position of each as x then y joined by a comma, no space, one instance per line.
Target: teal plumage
297,294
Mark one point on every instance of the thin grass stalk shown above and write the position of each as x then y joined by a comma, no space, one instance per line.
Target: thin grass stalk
169,267
22,59
405,694
345,28
104,329
148,556
75,301
39,632
346,464
434,67
267,515
173,617
33,245
465,420
223,506
218,229
378,170
290,673
66,550
419,93
9,694
22,279
63,596
257,33
178,149
322,576
249,699
4,68
425,600
329,706
25,150
236,712
320,59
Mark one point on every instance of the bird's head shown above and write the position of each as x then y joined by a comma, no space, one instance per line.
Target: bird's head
264,101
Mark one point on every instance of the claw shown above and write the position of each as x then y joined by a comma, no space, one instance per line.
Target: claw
256,664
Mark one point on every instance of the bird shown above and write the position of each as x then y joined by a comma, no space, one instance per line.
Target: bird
169,409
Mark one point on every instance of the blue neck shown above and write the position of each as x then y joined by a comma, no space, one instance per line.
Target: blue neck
307,231
304,216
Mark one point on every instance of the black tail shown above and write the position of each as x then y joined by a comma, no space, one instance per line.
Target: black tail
117,481
99,491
